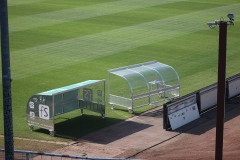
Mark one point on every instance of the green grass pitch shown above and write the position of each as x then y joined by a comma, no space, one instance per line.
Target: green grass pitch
54,43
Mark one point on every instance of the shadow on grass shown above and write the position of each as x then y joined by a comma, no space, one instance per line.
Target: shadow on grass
73,128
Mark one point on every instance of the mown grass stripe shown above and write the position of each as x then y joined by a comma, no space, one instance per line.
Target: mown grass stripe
21,2
63,53
80,13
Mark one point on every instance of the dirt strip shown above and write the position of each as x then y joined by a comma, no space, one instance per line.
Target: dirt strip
144,137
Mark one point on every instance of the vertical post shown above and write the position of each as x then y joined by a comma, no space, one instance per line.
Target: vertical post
27,156
6,82
221,89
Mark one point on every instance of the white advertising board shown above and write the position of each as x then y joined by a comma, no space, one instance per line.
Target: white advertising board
208,97
234,88
44,111
183,112
182,115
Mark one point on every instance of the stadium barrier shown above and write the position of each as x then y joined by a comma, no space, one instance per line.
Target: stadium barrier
171,111
205,99
233,86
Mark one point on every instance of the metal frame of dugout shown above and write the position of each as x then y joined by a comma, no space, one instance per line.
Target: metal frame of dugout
142,84
44,106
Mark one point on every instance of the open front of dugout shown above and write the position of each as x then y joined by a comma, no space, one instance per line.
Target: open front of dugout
43,107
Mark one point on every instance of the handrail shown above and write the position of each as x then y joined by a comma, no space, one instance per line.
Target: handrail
28,153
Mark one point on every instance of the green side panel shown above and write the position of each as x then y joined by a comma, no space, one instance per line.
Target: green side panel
66,102
70,106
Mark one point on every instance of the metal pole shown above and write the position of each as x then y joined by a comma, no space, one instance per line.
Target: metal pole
221,89
6,82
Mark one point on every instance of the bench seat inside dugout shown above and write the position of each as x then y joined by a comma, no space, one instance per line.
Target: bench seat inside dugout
142,84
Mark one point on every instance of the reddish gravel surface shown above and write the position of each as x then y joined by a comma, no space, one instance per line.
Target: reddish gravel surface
143,137
199,142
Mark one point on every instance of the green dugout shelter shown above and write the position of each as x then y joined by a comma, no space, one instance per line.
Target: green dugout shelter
43,107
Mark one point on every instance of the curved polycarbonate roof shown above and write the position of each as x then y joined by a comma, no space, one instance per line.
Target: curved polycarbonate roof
145,74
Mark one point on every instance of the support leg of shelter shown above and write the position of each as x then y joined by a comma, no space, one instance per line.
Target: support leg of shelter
153,101
31,128
112,106
81,111
103,115
130,111
52,133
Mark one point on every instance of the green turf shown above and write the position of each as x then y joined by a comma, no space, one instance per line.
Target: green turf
55,43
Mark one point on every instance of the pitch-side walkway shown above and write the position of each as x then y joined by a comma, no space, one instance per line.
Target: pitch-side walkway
137,134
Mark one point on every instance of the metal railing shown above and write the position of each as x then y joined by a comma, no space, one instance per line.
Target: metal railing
32,155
